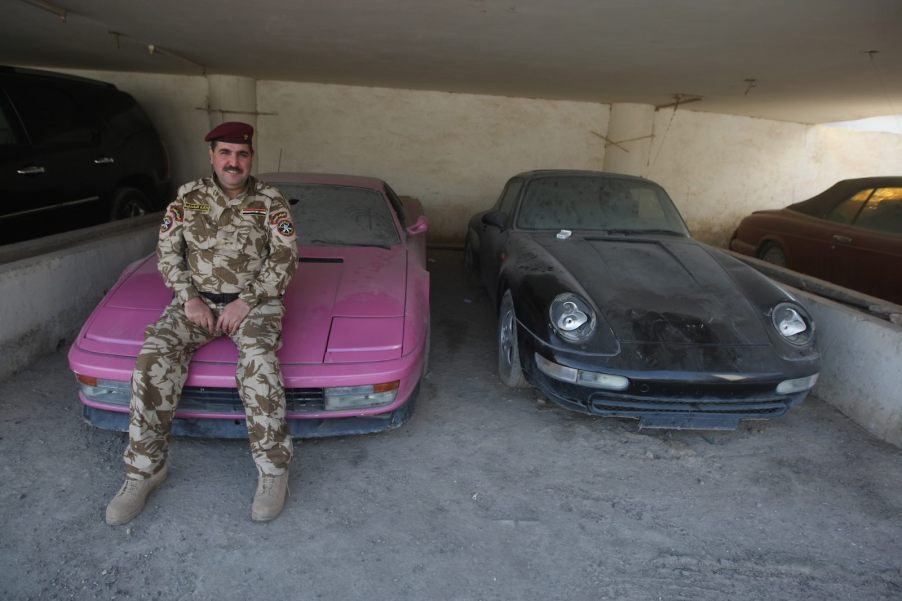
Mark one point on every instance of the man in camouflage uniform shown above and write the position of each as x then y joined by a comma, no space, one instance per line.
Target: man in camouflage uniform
227,250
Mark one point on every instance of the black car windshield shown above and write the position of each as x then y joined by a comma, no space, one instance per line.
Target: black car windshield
341,215
598,204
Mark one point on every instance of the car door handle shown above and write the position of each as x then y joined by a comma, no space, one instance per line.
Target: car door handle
30,170
104,161
842,239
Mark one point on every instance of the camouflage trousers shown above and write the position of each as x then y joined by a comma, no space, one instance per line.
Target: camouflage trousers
162,368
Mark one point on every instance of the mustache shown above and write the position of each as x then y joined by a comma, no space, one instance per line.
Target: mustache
232,170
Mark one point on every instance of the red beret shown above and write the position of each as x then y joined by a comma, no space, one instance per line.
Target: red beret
233,132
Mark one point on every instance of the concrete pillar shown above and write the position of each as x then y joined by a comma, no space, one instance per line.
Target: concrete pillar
233,98
629,138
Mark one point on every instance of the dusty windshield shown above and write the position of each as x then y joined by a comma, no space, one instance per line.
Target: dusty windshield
598,204
341,215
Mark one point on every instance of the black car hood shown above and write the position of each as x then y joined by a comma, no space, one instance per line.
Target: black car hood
660,290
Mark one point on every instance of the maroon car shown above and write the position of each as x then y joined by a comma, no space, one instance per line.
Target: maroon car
850,234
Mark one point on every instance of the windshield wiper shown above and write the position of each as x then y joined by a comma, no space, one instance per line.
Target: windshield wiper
342,243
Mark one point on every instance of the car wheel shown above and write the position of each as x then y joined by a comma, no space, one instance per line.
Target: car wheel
772,253
128,202
510,370
471,262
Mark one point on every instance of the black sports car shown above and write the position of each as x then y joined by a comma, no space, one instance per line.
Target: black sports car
609,307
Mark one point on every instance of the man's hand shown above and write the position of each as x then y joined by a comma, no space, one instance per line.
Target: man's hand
232,316
199,313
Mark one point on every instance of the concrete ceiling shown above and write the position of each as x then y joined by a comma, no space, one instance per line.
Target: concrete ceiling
809,59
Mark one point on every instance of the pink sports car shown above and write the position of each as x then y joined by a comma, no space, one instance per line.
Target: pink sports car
355,331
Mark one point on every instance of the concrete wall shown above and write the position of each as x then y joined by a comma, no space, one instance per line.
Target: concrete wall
719,168
45,298
454,151
860,375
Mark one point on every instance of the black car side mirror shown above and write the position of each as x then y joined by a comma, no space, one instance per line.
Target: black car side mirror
494,218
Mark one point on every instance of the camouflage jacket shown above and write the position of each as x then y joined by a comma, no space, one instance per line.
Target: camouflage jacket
210,243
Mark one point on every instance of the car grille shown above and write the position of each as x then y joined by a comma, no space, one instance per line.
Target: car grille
197,398
653,397
626,404
674,397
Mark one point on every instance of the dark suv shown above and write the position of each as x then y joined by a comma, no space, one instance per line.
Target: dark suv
73,152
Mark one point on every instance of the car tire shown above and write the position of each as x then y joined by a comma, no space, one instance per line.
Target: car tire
510,369
773,253
128,202
471,261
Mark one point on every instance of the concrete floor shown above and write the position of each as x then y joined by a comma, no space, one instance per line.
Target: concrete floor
485,494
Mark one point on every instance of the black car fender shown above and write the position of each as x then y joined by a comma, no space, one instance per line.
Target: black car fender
764,294
535,279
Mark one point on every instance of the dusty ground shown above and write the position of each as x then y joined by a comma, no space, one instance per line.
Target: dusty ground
484,494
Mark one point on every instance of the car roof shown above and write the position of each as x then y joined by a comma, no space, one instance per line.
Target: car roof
334,179
823,203
66,78
578,172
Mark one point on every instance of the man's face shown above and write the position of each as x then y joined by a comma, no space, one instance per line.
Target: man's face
232,165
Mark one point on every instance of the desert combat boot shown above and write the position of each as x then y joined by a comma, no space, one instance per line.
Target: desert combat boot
270,497
130,499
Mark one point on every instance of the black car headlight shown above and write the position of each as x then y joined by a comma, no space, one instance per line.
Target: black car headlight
572,317
793,323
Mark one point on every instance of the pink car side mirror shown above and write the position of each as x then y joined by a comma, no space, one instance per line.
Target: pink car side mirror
419,227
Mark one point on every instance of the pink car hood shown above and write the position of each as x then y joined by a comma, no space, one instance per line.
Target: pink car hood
344,304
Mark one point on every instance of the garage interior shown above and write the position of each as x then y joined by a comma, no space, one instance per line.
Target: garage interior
486,493
724,104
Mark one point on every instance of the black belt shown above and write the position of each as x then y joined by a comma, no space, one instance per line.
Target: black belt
220,299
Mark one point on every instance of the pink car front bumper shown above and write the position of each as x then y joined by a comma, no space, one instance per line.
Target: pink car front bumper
210,406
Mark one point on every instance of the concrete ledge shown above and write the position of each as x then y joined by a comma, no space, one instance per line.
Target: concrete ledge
49,286
861,372
860,340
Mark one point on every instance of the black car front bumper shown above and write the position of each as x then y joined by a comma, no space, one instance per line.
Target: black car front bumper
671,404
668,398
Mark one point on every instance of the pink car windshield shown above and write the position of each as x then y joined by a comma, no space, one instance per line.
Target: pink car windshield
341,215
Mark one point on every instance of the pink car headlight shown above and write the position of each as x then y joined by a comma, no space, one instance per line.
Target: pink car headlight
360,397
112,392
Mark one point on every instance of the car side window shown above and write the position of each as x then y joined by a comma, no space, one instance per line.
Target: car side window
51,117
846,211
7,132
509,198
883,212
397,204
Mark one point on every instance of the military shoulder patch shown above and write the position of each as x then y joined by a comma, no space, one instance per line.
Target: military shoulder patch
286,228
196,206
278,216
